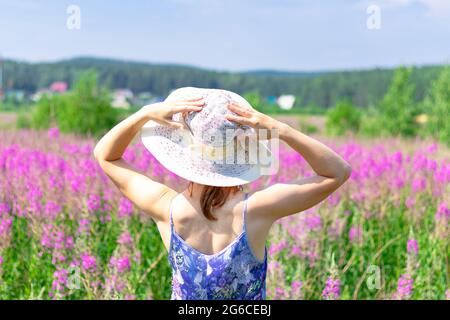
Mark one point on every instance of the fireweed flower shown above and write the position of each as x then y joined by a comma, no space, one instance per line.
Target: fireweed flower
53,241
130,154
313,222
332,289
275,272
355,234
412,246
114,285
93,203
277,247
432,148
336,229
125,208
431,165
5,227
280,293
334,199
398,157
53,133
88,262
71,148
358,196
296,290
404,287
121,264
412,250
410,202
59,283
46,238
59,239
125,239
51,210
34,195
442,174
4,208
442,217
296,251
69,244
76,184
58,257
106,207
419,184
443,212
84,226
55,183
397,183
52,238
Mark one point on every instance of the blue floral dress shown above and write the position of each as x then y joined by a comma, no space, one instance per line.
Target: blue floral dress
234,273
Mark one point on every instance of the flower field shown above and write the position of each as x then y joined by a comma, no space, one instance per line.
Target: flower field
67,233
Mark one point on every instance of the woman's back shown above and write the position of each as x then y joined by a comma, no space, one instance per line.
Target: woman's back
234,272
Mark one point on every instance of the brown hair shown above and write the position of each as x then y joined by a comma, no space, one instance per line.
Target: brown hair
213,197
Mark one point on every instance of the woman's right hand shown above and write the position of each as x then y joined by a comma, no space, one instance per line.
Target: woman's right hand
162,112
255,119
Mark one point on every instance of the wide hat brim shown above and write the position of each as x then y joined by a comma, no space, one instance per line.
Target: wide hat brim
168,146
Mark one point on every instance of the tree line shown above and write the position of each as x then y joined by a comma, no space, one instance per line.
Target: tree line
362,88
398,113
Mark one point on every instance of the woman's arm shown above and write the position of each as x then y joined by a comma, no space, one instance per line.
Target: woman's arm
324,161
283,199
137,186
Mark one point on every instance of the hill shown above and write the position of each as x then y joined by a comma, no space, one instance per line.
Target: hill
324,89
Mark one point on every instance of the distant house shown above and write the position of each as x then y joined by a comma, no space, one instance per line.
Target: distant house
145,95
286,101
124,92
271,99
38,95
121,98
16,96
56,87
142,99
157,99
59,87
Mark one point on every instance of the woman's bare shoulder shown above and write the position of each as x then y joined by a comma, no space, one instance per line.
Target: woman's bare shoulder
164,204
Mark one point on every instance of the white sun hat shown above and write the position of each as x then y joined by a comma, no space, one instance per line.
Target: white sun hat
211,150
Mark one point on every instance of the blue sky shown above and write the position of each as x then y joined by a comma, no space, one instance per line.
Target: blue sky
234,35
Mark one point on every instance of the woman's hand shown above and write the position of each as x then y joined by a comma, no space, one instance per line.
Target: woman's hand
255,119
162,112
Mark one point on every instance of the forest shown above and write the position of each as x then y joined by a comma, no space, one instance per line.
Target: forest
363,88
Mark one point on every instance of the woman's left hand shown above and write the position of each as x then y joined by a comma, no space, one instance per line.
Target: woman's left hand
253,118
162,112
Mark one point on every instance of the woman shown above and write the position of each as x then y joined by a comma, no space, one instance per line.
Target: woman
215,233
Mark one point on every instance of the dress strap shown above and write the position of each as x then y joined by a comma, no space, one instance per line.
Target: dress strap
171,230
170,214
244,212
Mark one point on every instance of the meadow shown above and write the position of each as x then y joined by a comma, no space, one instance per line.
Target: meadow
67,233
